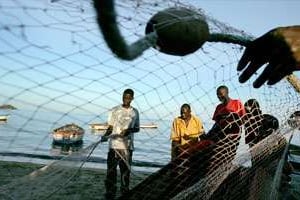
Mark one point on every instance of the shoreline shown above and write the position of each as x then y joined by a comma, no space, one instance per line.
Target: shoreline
92,163
88,183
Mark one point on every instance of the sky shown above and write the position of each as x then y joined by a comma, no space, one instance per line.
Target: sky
53,61
253,16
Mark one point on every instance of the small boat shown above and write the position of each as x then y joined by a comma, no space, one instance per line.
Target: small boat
104,126
152,125
3,118
98,126
68,134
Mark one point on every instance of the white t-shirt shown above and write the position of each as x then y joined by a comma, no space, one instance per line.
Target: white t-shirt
121,118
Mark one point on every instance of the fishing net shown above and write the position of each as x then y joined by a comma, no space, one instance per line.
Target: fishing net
56,68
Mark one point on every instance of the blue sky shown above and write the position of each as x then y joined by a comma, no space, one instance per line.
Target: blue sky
58,60
253,16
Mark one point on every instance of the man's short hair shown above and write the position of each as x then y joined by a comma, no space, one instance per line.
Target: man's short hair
223,87
186,106
129,91
252,103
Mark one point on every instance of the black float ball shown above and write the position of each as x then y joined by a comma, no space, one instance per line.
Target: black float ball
180,31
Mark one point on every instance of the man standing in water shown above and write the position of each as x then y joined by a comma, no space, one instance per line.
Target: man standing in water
123,121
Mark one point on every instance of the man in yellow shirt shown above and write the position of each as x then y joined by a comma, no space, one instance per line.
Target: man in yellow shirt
186,130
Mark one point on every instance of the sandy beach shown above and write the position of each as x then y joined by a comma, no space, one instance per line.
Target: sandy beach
87,184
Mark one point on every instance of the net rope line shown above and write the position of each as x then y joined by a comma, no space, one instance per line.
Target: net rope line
69,57
90,150
279,170
92,147
213,37
114,39
203,187
110,30
61,167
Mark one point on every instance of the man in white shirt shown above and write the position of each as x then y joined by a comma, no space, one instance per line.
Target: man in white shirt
123,121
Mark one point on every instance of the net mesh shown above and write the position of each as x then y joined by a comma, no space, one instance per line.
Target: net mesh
56,69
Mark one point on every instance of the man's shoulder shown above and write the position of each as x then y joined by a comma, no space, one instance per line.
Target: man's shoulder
195,117
135,109
118,107
235,101
177,119
220,105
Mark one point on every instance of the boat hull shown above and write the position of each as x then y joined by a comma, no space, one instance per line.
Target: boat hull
102,127
98,127
68,134
3,118
63,139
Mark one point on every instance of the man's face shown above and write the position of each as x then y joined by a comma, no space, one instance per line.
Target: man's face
127,98
222,95
185,113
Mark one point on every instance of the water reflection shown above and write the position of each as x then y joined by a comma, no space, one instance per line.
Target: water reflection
65,149
3,122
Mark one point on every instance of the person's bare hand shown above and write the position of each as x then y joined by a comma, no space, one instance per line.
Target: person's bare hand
279,49
186,137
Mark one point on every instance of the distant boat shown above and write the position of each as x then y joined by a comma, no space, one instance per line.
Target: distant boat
7,107
68,134
152,125
104,126
3,118
98,126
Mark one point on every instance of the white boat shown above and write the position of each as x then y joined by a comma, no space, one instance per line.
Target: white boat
68,134
3,118
104,126
152,125
98,126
